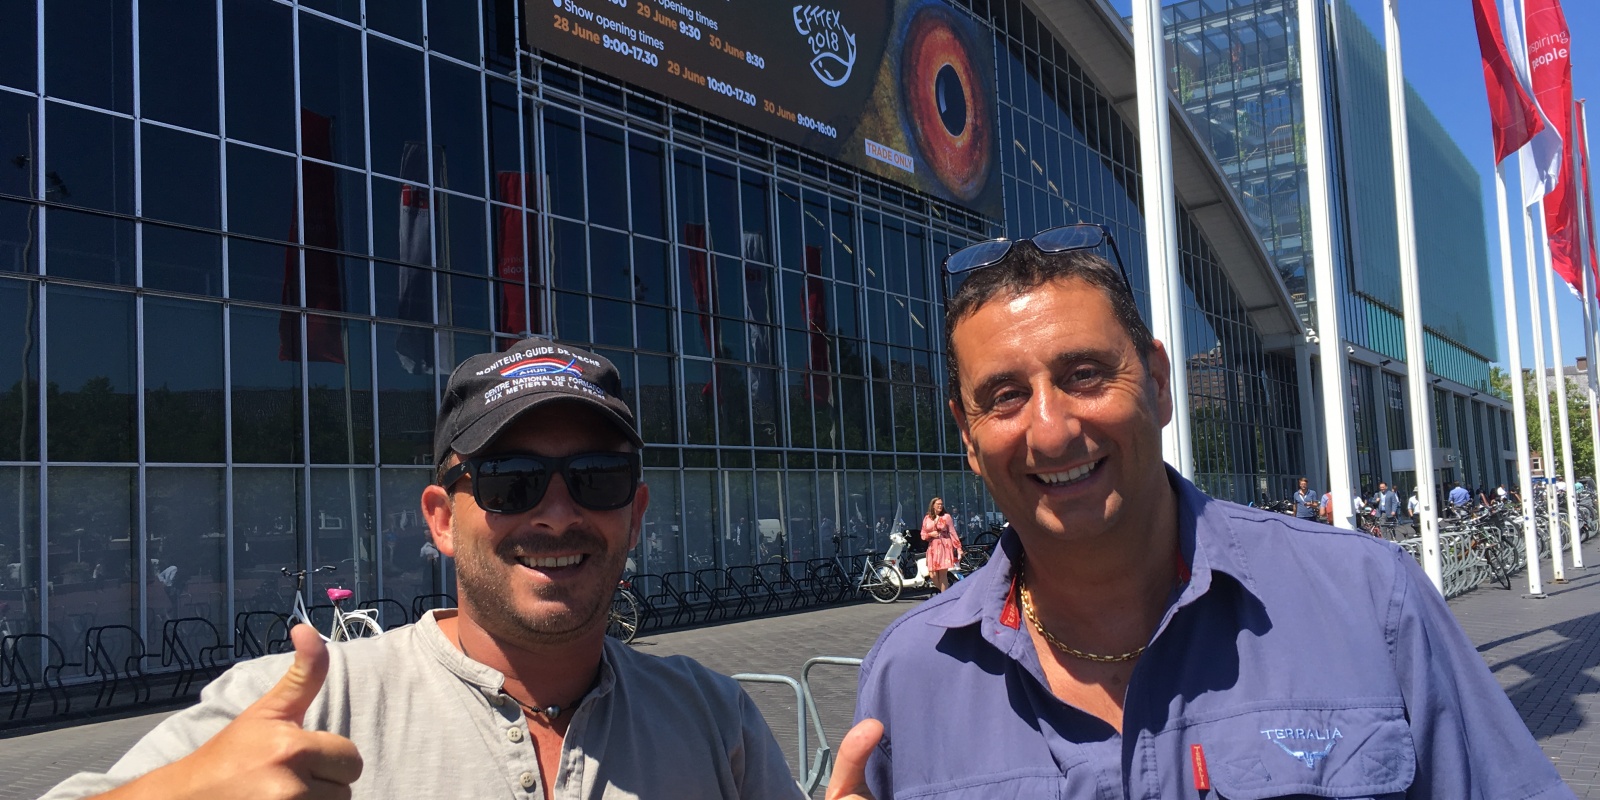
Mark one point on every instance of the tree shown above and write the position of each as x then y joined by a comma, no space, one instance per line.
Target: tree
1577,417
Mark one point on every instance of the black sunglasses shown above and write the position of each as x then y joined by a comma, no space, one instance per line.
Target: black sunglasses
511,483
1062,239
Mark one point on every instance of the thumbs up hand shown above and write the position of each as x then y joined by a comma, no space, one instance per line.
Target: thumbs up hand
849,780
264,752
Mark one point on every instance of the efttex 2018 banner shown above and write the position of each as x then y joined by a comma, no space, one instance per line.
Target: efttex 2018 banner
901,88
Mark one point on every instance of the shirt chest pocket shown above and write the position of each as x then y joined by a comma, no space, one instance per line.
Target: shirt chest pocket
1349,753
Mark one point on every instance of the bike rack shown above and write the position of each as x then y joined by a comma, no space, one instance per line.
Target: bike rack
822,762
821,766
800,713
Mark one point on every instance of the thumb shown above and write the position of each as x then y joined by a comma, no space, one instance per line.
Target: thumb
849,777
289,699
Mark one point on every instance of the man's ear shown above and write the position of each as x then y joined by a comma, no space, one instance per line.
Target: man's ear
1160,367
439,510
641,501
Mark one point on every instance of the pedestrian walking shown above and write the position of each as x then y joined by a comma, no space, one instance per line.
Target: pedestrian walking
944,543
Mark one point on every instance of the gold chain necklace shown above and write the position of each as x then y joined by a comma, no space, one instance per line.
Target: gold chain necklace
1027,608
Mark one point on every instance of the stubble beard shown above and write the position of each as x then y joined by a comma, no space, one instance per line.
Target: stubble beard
493,606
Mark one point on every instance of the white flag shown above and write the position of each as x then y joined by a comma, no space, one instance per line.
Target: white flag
1541,170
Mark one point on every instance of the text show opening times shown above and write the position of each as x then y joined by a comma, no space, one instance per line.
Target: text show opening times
650,32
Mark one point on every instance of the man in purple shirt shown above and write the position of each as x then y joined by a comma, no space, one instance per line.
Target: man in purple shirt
1132,637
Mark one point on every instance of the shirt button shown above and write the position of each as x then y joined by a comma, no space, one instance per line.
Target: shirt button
496,700
514,734
527,780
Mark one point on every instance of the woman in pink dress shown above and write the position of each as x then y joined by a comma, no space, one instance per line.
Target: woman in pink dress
944,544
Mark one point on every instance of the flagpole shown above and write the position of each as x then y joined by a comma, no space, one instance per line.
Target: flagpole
1560,381
1411,297
1592,333
1508,288
1161,223
1535,266
1330,342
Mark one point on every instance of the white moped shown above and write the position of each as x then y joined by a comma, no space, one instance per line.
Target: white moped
920,579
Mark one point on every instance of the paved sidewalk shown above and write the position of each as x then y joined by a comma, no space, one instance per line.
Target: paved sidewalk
1546,653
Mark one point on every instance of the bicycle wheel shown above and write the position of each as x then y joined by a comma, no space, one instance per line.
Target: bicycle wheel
828,584
1498,571
355,626
623,622
886,585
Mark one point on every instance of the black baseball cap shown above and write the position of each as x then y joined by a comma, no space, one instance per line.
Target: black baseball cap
490,391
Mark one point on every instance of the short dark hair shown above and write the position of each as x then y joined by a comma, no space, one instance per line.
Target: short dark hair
1026,268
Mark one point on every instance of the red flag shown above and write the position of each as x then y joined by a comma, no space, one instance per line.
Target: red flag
1515,118
1586,189
818,388
1550,56
324,334
513,310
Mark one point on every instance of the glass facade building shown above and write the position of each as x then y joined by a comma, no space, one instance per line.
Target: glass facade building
1235,69
243,242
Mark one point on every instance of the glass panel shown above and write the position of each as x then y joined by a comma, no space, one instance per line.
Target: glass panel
698,393
181,177
660,538
266,387
613,323
19,245
766,412
412,566
569,255
330,92
339,371
180,260
258,46
464,302
563,162
18,44
505,141
397,107
94,555
183,383
348,10
609,271
89,159
405,395
343,533
187,545
261,193
264,273
652,271
658,402
453,29
267,512
607,174
463,243
733,404
408,235
802,518
19,550
457,125
91,375
700,519
90,247
401,19
178,63
572,317
722,199
737,514
647,186
404,292
89,52
19,130
19,372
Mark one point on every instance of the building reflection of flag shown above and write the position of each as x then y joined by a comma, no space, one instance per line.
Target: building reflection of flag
324,339
414,346
509,266
818,388
699,267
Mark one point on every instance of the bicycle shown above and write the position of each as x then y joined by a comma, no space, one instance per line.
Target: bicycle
879,578
1489,545
622,622
347,625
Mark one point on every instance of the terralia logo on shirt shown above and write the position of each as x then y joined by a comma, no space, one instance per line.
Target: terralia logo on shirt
1306,755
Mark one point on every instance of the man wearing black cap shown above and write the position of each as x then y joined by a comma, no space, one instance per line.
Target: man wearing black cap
518,693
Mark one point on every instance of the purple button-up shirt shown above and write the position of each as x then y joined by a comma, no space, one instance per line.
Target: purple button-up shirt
1298,659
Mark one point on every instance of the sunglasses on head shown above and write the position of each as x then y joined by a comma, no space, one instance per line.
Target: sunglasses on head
1062,239
511,483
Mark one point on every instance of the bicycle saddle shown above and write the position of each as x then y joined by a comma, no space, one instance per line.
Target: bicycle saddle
338,595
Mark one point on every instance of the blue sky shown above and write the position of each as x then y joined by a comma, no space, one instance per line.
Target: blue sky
1440,48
